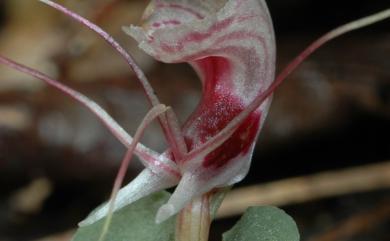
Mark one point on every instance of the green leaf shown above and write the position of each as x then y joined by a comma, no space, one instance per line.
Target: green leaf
134,222
263,224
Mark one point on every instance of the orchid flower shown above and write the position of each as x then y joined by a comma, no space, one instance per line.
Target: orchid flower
231,45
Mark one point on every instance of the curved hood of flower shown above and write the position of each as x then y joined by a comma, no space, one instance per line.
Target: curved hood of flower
230,44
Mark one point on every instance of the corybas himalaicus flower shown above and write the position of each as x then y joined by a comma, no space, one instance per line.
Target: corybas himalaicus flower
230,43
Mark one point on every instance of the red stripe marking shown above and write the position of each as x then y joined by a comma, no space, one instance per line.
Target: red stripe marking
181,7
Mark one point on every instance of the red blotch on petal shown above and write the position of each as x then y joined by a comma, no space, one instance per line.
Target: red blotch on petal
238,144
217,108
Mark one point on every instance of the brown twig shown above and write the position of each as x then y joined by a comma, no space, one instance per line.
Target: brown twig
357,224
302,189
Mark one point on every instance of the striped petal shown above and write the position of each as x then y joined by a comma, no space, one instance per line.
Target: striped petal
144,184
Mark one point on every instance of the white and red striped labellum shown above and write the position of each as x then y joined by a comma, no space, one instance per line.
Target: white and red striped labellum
231,46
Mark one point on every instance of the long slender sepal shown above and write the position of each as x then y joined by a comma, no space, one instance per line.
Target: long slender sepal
177,133
145,154
150,116
150,93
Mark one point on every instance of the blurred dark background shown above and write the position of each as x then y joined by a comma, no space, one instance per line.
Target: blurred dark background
57,162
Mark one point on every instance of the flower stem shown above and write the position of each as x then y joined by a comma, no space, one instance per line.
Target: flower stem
193,222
